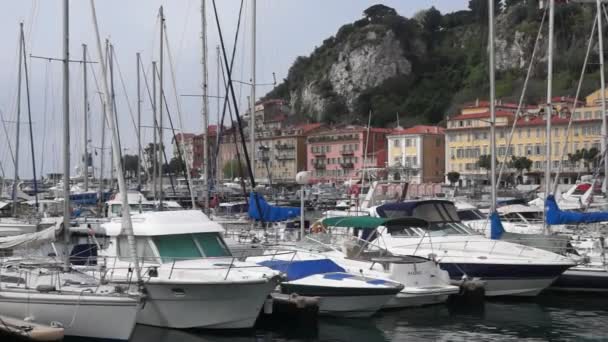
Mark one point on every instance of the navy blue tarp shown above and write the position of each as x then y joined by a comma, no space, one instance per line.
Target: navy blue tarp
267,212
496,228
302,268
556,216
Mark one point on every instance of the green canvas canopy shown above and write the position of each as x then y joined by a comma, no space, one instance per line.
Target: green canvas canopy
366,222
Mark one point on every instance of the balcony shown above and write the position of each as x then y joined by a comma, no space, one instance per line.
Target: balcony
284,147
347,165
319,166
318,153
347,152
285,157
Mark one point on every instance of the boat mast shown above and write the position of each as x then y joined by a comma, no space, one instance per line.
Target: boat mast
102,155
29,115
160,111
85,159
18,124
66,132
253,80
549,109
127,227
492,107
600,37
155,139
205,107
218,167
138,123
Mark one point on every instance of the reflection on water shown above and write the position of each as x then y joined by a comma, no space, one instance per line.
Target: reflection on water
550,317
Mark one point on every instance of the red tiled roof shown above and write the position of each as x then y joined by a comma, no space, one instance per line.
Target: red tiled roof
499,113
420,129
481,104
308,127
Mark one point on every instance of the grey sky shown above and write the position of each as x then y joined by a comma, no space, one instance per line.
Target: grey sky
286,29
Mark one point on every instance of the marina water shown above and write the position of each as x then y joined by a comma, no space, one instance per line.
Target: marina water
549,317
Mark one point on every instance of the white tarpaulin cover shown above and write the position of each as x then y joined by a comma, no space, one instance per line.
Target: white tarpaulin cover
30,240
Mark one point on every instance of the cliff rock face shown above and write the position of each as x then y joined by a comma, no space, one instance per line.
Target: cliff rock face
367,65
421,69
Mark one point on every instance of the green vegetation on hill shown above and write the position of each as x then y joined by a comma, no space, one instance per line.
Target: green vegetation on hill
448,58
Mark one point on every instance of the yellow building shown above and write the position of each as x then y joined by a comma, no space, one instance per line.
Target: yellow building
467,137
417,154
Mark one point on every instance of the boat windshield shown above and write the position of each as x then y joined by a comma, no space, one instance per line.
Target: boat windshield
190,246
470,215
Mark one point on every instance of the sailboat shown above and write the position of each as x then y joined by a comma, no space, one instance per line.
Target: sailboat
48,291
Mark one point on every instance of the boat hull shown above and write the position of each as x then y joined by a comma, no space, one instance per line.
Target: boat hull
89,316
582,279
508,279
420,297
222,305
343,301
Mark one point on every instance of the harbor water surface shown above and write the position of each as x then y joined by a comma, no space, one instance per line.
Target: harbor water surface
549,317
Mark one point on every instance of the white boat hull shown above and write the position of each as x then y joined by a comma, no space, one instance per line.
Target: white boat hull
407,299
229,305
524,287
582,279
86,315
352,306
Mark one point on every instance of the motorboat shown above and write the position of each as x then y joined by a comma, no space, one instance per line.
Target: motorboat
341,293
424,281
190,277
507,268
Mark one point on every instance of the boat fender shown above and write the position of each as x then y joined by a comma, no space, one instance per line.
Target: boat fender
153,272
45,288
268,306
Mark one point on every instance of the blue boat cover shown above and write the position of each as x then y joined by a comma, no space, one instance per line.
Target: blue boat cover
556,216
298,269
267,212
496,228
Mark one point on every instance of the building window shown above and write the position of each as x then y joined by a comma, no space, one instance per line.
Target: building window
396,142
598,114
408,143
437,142
538,132
528,132
587,115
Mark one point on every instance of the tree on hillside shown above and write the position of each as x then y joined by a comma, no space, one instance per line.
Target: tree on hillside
378,12
432,20
129,163
453,177
177,166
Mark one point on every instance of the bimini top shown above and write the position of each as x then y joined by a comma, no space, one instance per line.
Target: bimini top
166,223
367,222
429,210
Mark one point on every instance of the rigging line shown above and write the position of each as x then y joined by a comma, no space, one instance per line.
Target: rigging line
180,121
29,115
151,99
10,148
113,94
236,109
521,97
181,41
174,138
44,115
242,76
578,91
124,89
226,101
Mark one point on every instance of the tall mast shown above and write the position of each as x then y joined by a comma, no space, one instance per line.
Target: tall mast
66,131
160,112
155,140
218,167
205,109
492,106
85,159
113,98
549,109
252,97
138,124
600,37
102,155
29,115
127,227
18,123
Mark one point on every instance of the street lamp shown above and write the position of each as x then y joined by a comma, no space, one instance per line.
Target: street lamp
302,178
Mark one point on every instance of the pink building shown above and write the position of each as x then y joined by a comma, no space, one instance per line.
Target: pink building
337,154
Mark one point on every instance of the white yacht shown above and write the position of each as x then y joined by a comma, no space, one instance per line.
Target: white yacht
507,268
190,278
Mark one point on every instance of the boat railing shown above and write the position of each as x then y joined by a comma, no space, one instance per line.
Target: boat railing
480,246
106,266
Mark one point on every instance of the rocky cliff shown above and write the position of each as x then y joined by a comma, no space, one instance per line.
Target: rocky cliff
421,68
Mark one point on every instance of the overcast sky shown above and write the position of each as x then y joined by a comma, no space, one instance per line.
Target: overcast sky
285,29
